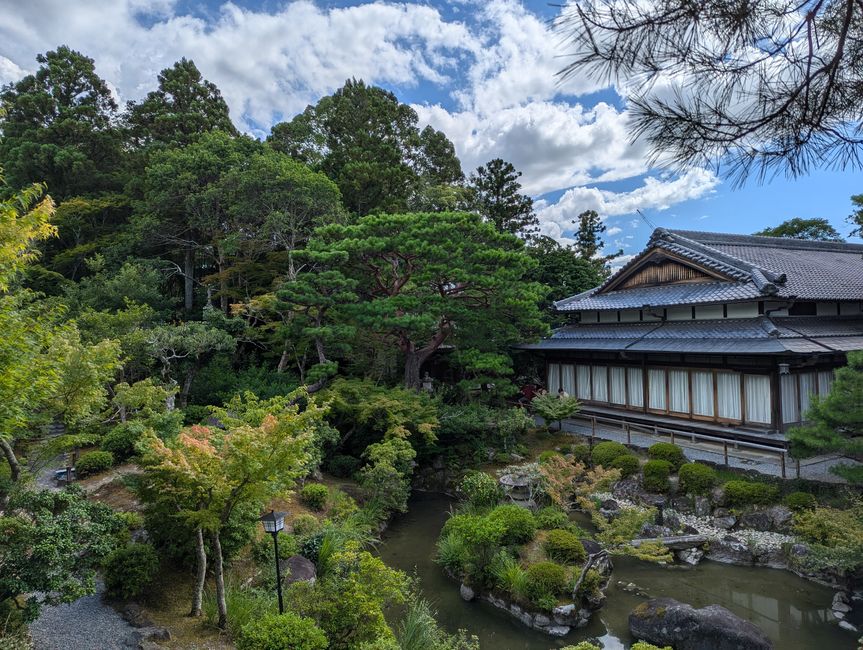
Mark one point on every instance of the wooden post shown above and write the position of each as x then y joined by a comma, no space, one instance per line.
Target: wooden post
672,436
628,435
798,468
592,428
782,459
725,452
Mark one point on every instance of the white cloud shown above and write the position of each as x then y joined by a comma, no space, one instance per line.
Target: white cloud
654,193
614,230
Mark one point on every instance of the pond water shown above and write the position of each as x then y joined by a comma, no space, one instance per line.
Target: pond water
793,612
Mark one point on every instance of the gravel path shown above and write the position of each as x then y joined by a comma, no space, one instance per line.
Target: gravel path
86,624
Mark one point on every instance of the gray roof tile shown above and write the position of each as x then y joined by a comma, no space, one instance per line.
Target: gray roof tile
757,267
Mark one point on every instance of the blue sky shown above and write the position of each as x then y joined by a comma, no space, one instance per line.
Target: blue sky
483,72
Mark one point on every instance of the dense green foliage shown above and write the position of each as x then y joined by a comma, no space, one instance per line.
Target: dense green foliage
554,408
93,462
668,452
604,453
281,632
480,489
130,569
628,464
314,495
563,546
696,478
748,493
798,501
656,473
545,581
518,523
797,228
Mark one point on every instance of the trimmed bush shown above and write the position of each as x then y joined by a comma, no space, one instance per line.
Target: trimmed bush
627,464
551,517
93,463
305,524
799,501
343,466
656,473
604,453
563,546
480,489
544,581
581,453
667,452
282,632
696,478
121,440
129,570
750,493
314,496
518,523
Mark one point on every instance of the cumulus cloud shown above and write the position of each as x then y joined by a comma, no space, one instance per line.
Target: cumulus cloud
654,193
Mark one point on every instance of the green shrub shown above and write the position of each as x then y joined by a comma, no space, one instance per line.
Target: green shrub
696,478
121,440
480,489
832,527
342,505
604,453
642,645
452,553
93,463
282,632
563,546
656,473
508,574
314,496
305,524
667,452
581,452
748,493
548,454
129,570
343,466
799,501
519,524
543,583
551,517
583,645
627,464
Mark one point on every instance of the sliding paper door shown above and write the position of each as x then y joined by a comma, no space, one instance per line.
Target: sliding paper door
702,393
635,386
600,383
553,378
757,390
618,385
582,375
728,396
678,391
656,389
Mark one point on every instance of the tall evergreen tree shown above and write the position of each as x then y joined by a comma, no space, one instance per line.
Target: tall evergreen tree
59,127
184,106
368,142
497,197
588,240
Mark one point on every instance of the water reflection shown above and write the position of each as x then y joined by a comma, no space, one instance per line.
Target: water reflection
794,613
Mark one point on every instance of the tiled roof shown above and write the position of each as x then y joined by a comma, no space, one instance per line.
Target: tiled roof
756,267
761,335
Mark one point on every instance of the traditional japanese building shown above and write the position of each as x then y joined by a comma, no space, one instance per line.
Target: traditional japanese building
705,330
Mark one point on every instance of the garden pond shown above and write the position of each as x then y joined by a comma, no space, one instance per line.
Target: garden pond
793,612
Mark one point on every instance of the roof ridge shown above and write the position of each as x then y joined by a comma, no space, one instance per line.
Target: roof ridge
764,240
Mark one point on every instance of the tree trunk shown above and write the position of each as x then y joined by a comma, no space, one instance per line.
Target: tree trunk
413,362
284,359
14,465
201,574
187,385
189,278
223,284
218,571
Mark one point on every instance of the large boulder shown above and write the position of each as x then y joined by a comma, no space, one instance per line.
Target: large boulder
665,621
757,520
731,550
297,569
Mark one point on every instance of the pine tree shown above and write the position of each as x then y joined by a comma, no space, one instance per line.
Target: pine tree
835,422
498,199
